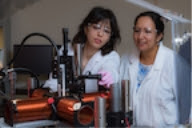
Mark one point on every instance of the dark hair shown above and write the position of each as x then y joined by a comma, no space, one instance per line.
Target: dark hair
157,19
96,15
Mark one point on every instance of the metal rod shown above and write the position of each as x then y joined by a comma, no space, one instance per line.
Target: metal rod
100,112
79,59
115,98
125,95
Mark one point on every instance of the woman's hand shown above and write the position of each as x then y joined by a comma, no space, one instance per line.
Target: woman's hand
106,78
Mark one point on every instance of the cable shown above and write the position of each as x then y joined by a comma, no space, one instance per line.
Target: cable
35,34
27,71
127,123
22,43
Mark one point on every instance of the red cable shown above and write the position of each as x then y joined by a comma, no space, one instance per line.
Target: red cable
127,123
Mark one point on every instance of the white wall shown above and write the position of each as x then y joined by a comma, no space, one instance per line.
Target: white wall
50,16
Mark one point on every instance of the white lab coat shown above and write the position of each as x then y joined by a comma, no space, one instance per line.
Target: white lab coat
154,104
109,62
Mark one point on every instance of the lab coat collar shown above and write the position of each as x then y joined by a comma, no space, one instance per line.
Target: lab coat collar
158,64
134,58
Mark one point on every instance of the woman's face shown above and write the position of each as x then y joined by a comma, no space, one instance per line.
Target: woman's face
98,34
145,34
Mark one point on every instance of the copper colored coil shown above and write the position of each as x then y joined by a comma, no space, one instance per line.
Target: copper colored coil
27,110
66,116
88,97
30,118
66,108
32,114
65,113
67,105
39,92
33,105
85,115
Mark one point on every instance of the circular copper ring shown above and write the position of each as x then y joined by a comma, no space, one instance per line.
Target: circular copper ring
85,115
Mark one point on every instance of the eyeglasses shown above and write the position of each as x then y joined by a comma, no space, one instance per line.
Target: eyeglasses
98,27
146,31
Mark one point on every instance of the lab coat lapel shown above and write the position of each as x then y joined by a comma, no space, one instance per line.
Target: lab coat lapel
159,58
157,66
93,62
133,69
133,66
134,61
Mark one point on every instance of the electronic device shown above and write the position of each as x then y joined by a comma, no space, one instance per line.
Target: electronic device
37,58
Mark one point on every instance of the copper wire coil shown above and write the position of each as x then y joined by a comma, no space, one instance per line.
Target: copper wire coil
33,105
33,114
85,115
27,110
68,108
39,92
88,97
69,116
30,118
